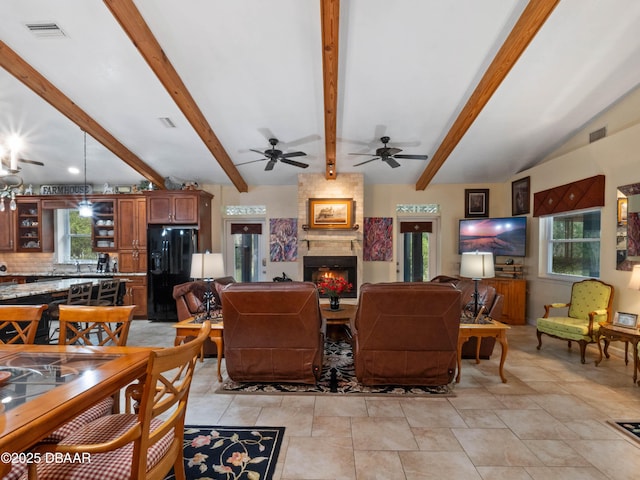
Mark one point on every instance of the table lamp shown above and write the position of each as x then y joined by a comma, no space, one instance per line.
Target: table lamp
207,266
634,282
477,265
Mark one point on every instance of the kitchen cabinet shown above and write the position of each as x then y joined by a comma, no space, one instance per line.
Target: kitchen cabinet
132,222
33,226
135,293
182,207
514,291
131,231
104,225
7,220
177,206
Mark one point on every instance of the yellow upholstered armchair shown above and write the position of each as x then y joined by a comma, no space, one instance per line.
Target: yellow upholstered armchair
590,304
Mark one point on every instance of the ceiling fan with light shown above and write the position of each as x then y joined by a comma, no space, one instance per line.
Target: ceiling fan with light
11,168
273,155
388,155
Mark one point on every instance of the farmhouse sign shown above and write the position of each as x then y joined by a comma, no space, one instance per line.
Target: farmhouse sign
66,189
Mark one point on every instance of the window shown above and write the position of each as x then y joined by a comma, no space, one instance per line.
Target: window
73,237
572,243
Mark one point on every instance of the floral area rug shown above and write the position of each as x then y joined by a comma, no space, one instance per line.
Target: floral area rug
338,377
630,427
223,453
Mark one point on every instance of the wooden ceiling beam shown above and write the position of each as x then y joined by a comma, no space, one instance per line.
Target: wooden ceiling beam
16,66
134,25
330,15
533,17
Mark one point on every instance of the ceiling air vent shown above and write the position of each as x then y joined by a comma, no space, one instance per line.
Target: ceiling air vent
167,122
597,134
45,30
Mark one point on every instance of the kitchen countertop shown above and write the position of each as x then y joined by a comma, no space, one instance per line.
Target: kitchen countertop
22,290
70,274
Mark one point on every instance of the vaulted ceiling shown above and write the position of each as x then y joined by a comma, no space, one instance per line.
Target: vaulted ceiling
484,88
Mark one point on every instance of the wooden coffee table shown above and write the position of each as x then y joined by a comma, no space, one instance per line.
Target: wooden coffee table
494,329
190,328
609,333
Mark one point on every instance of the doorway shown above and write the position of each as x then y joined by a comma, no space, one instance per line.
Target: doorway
418,249
245,250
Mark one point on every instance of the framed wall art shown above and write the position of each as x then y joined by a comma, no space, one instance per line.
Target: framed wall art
521,196
622,211
476,202
331,213
627,320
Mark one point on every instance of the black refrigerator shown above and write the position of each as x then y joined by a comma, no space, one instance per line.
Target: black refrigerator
169,256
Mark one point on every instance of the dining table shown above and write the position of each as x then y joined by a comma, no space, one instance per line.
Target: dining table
44,386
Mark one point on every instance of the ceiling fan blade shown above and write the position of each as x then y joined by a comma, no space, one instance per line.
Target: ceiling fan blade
366,161
32,162
294,163
252,161
257,151
293,154
393,151
391,162
413,157
270,165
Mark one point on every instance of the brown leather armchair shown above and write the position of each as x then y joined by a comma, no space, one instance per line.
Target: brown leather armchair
406,333
488,297
188,297
273,332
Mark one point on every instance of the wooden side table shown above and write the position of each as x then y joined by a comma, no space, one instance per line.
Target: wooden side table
494,329
341,317
610,333
190,328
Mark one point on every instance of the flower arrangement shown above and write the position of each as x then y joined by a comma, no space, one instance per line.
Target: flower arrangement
334,286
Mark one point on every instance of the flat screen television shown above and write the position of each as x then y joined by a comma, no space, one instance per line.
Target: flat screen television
501,236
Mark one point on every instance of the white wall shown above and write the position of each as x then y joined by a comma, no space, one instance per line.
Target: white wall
617,157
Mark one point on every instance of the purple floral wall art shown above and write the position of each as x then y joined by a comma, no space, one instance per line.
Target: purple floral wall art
283,239
378,239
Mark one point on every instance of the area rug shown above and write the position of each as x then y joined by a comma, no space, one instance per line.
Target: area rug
630,427
239,453
338,378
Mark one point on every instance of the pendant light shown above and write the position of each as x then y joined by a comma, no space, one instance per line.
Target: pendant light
85,209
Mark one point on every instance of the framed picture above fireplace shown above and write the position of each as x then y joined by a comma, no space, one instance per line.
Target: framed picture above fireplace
331,213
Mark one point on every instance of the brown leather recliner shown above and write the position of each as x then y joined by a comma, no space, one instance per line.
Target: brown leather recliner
488,297
188,297
273,332
406,333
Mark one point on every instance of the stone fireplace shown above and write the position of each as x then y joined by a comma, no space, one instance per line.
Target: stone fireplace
317,267
319,245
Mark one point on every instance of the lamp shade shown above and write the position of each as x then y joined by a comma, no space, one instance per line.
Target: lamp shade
207,265
477,265
634,283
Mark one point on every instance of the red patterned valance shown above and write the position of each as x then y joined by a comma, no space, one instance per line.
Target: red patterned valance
415,227
585,193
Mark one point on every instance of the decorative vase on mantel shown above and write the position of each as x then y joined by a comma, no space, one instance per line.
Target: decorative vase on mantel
334,302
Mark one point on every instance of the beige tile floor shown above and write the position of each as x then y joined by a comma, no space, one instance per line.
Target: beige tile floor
549,421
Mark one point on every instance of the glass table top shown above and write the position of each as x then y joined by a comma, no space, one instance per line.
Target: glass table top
26,375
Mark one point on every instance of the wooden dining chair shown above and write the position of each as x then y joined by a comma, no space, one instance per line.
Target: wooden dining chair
78,324
19,323
78,294
110,325
107,292
152,435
